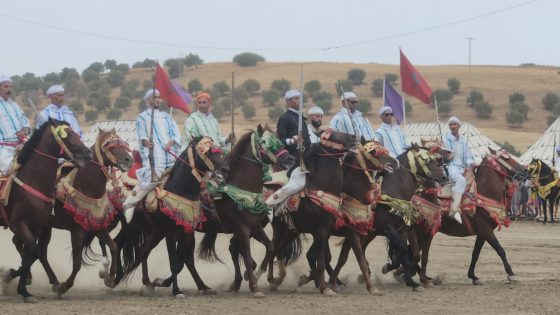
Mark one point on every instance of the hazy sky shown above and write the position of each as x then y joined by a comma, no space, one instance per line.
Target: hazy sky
281,30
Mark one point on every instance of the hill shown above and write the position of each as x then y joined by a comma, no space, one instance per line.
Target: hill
495,82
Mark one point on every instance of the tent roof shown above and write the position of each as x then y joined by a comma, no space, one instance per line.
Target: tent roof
543,148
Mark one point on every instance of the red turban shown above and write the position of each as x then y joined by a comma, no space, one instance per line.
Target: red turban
203,95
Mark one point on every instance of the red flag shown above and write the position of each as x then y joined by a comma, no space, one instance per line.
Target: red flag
412,82
168,91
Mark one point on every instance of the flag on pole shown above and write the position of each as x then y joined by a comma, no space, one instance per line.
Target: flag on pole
393,99
412,82
172,92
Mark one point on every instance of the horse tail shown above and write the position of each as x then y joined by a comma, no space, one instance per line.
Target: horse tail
132,241
207,248
291,251
88,254
393,250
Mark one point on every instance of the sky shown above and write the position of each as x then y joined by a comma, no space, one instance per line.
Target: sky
44,36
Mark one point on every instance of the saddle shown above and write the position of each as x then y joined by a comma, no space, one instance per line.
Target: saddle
6,180
468,206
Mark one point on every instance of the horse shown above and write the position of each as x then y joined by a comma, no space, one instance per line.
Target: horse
490,181
79,192
394,213
360,194
545,180
317,210
177,215
30,200
239,203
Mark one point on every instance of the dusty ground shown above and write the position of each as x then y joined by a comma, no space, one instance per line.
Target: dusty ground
533,251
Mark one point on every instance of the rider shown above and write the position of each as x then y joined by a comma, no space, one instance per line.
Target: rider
14,125
315,115
203,123
462,160
287,129
57,110
349,117
389,134
166,137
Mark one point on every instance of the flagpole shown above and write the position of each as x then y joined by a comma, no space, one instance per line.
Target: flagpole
151,140
383,93
232,108
404,111
437,118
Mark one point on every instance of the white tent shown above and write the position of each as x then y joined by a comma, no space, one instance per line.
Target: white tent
478,143
126,129
543,148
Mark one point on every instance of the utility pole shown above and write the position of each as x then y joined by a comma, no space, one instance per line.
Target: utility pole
470,40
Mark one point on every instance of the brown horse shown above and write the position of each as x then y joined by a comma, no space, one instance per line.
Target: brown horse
109,151
361,192
490,178
418,168
240,204
147,229
31,198
317,212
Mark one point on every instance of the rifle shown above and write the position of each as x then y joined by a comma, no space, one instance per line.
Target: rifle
151,139
32,104
300,146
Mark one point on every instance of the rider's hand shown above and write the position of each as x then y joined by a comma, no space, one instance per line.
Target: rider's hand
168,145
231,138
147,144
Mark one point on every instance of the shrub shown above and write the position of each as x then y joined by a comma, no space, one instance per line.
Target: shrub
220,88
357,76
483,109
91,115
391,78
113,114
312,87
282,86
275,113
550,100
377,88
248,59
251,86
474,96
454,85
270,97
249,111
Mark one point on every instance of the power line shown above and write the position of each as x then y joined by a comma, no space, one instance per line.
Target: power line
341,46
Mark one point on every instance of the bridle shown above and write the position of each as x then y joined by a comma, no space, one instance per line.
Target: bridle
202,147
103,147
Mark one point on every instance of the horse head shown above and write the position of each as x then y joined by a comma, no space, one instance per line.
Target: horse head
510,165
437,149
64,143
377,157
268,148
208,158
425,165
339,141
111,150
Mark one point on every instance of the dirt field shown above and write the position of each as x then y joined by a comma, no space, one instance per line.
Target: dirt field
533,251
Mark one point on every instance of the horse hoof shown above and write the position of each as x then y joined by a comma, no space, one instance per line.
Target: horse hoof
303,280
428,284
418,289
438,280
385,269
328,292
109,282
512,279
258,295
147,290
375,291
158,282
398,278
361,279
7,277
56,287
180,296
30,299
102,273
477,282
259,273
272,287
234,287
207,292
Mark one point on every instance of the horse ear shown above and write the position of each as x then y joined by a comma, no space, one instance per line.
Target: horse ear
414,146
363,140
260,129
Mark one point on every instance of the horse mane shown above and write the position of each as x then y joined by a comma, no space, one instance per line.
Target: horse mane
183,154
235,153
33,142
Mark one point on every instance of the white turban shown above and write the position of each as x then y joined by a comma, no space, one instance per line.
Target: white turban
315,110
348,95
5,78
55,89
292,93
149,94
383,109
455,120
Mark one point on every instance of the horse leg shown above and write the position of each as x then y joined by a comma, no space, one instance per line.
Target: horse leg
399,245
342,258
189,262
43,243
261,237
321,238
475,254
175,265
234,252
105,238
493,241
279,242
29,256
551,207
354,240
104,260
244,242
77,237
19,247
543,206
426,243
